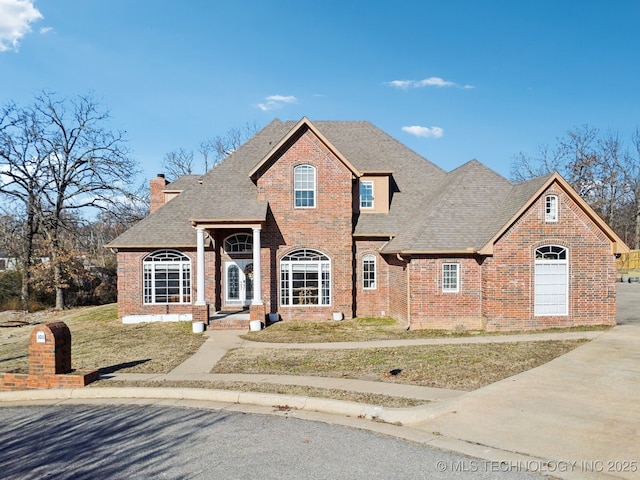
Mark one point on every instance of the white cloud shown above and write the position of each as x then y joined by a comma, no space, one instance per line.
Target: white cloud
16,17
426,132
45,30
427,82
274,102
434,82
401,83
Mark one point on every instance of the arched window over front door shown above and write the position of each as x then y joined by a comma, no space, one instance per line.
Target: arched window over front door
167,277
239,243
551,281
305,278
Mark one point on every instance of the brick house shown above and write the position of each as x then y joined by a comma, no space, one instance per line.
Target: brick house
311,218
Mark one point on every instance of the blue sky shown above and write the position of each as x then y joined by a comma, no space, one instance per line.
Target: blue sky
453,80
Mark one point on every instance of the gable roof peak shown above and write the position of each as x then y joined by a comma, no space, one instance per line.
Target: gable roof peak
476,165
304,122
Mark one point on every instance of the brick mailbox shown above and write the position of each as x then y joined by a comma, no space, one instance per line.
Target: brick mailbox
49,362
50,349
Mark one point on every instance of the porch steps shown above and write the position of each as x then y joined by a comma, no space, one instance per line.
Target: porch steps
228,324
233,320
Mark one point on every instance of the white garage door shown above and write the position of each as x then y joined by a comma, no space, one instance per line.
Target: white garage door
551,281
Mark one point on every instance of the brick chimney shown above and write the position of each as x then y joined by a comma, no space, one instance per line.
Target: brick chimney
156,192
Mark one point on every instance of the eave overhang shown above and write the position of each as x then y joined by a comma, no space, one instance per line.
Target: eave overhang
228,223
465,252
129,247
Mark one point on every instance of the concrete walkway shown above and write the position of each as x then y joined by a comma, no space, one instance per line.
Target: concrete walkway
198,366
575,417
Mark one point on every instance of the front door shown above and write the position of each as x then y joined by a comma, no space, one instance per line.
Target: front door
239,282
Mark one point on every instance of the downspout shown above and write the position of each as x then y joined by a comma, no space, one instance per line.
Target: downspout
408,296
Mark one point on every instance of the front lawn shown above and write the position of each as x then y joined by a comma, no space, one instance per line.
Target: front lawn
458,367
364,329
100,341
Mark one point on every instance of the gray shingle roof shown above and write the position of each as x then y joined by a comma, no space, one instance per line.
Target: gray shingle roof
370,149
224,193
465,212
430,210
183,183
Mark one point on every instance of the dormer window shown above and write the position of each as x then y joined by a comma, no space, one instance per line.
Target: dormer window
374,193
551,209
304,186
366,193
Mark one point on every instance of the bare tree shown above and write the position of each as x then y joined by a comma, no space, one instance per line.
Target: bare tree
609,182
525,167
178,163
60,159
181,162
22,180
600,168
631,172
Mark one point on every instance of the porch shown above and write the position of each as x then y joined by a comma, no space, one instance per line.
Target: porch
240,294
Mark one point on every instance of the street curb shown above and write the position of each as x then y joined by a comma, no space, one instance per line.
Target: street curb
396,416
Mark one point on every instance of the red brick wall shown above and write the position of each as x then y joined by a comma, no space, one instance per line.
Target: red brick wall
21,381
156,194
431,308
398,271
509,274
372,302
130,283
326,228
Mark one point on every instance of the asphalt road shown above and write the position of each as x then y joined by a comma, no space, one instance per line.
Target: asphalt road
135,442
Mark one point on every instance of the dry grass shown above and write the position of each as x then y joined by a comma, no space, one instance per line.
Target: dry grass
366,329
298,390
459,367
101,341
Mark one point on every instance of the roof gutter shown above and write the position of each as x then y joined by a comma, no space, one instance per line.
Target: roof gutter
468,251
114,248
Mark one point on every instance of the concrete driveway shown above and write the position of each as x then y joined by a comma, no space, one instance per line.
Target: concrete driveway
582,409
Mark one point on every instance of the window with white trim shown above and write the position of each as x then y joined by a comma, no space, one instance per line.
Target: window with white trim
304,186
450,277
369,272
305,278
166,277
366,193
551,281
551,208
239,243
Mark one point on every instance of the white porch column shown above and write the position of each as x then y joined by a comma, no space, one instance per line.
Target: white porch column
257,285
200,300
